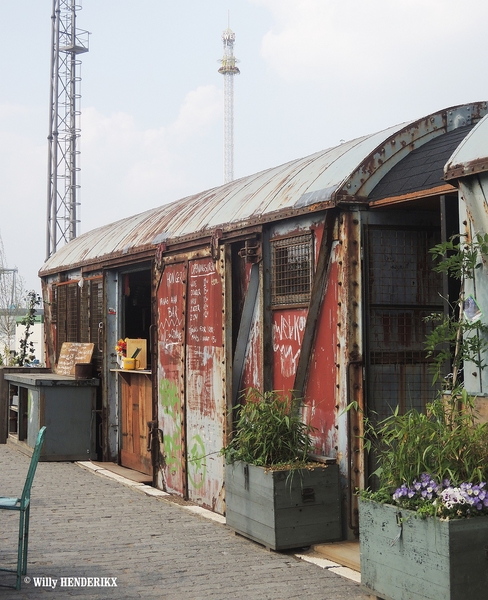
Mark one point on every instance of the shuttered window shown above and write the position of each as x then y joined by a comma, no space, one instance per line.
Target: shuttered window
77,313
66,313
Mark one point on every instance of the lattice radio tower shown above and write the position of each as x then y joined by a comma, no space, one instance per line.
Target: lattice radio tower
67,43
228,70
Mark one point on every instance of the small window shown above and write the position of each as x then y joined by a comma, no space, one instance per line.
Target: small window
291,270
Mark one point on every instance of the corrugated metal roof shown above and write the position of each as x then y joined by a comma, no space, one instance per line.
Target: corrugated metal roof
294,185
471,156
310,183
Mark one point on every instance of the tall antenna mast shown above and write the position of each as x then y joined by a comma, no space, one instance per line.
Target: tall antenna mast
67,43
4,271
228,70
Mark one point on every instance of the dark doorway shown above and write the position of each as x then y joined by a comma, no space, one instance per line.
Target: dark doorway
136,292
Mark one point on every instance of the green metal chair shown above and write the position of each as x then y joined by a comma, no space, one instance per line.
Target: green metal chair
22,505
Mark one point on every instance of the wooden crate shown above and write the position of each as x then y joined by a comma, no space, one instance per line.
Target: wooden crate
283,509
408,558
132,346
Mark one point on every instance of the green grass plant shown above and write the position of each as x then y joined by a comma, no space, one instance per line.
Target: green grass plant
269,431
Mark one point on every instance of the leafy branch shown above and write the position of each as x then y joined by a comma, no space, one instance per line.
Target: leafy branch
456,339
27,350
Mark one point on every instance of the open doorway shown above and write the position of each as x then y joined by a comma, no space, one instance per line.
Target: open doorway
136,409
136,304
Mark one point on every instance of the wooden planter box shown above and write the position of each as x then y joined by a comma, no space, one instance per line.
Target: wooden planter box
421,559
284,509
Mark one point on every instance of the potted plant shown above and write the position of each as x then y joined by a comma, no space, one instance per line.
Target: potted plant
424,530
121,351
275,493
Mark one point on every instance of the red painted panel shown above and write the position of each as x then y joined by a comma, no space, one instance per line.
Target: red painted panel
321,391
171,332
205,389
288,330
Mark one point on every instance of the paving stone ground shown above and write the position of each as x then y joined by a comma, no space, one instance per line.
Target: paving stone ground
84,525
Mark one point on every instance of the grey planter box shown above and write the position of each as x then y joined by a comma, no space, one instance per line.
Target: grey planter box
282,510
421,559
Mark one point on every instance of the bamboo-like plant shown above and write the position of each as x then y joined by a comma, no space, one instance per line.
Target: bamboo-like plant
269,431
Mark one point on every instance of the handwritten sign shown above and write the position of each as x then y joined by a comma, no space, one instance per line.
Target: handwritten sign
204,311
71,354
171,321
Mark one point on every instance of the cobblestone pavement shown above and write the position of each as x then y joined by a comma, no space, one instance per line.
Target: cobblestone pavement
85,525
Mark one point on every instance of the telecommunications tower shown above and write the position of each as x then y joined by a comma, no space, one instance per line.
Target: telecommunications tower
228,70
67,43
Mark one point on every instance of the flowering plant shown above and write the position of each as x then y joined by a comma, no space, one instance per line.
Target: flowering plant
121,347
427,496
434,462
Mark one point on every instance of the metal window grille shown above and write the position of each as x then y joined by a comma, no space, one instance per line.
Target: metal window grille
291,270
403,290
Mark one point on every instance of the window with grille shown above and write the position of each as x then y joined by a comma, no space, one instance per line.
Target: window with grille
291,270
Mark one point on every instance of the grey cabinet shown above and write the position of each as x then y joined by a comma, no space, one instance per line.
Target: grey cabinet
65,405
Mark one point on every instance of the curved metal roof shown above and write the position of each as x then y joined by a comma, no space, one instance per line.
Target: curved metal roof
471,156
346,172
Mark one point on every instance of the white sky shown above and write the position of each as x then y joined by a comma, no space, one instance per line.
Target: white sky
313,73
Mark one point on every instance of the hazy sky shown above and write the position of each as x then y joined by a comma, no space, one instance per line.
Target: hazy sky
313,73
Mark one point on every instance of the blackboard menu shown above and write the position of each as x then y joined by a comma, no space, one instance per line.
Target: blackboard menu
71,354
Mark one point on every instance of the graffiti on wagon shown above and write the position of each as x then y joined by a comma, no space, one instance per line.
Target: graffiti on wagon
288,329
169,401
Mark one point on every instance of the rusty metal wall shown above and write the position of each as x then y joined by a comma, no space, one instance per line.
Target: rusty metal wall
350,366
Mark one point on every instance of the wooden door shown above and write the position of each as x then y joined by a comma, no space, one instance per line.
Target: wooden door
136,412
